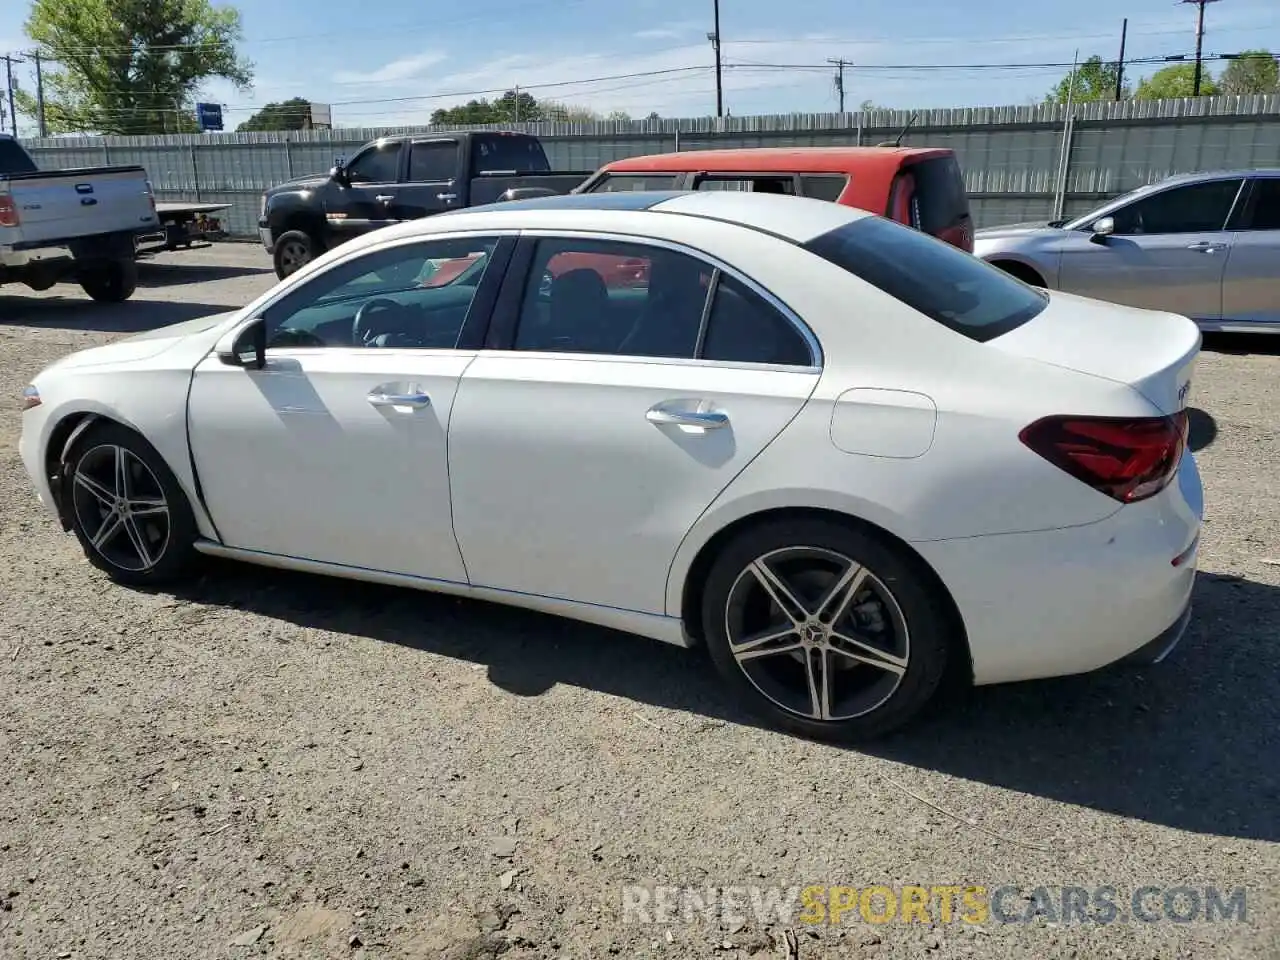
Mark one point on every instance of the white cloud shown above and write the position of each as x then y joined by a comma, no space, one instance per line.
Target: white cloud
397,71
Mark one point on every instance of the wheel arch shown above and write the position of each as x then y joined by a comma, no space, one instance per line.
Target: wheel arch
1020,268
695,577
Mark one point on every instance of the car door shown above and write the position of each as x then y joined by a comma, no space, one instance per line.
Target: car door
1168,251
1251,282
601,420
431,183
336,451
363,202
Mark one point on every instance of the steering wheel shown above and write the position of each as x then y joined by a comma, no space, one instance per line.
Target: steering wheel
362,324
289,337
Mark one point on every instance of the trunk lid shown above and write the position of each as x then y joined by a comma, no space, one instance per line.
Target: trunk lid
1153,352
58,205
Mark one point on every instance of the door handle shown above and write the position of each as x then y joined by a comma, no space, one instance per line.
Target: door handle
1204,246
385,197
379,399
446,196
707,420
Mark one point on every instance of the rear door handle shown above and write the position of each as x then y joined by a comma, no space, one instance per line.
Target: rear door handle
1204,246
385,197
446,196
707,420
416,400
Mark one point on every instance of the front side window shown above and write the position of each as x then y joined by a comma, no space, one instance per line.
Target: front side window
1195,208
389,298
379,164
632,299
822,186
941,281
627,182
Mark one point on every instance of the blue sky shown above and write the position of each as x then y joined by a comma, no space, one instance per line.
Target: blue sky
398,65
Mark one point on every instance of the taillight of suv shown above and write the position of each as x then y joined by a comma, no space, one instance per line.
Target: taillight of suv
1127,458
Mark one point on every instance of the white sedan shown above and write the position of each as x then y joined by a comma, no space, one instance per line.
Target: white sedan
846,457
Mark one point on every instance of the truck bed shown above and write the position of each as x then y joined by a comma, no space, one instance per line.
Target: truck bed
489,188
54,207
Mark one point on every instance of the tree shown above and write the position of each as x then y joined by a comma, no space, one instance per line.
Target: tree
1176,82
291,114
511,107
866,106
1253,71
131,66
1095,79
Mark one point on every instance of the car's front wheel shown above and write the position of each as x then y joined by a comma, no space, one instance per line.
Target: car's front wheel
825,629
127,508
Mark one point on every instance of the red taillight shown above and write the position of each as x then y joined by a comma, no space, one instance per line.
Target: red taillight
8,212
1127,458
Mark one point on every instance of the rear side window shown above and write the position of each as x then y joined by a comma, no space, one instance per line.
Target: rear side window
625,182
823,187
784,184
13,159
503,153
954,288
940,201
433,162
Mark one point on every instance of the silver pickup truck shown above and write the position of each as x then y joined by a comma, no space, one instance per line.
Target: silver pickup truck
72,225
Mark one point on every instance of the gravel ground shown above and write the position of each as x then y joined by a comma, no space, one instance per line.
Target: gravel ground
281,765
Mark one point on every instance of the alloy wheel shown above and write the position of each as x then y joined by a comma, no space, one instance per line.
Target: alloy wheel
817,633
293,256
121,508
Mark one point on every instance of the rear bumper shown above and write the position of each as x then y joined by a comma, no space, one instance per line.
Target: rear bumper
1074,600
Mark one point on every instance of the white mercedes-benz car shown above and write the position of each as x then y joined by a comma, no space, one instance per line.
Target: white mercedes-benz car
844,456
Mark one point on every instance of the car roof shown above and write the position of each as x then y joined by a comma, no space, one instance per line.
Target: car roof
795,219
1205,175
776,159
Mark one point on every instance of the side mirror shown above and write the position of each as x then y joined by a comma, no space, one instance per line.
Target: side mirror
1102,229
245,346
338,174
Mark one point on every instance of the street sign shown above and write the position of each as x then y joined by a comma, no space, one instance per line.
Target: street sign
209,116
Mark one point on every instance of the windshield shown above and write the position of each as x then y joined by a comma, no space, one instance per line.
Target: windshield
13,159
943,282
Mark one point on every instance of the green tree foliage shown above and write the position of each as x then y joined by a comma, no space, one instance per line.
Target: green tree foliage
1176,82
131,66
1253,71
285,115
519,108
1095,79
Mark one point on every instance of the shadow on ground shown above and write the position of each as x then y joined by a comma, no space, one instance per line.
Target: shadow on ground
1266,344
135,315
1193,743
173,274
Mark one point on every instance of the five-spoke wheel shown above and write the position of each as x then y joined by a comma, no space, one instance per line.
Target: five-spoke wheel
827,629
126,507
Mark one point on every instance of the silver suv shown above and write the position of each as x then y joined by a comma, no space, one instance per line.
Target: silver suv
1204,245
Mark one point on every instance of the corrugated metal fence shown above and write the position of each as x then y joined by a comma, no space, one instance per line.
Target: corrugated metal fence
1013,157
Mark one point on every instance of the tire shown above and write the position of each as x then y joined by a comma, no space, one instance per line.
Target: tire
898,614
167,531
293,250
110,282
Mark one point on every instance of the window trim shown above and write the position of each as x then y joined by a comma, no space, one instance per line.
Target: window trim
479,314
506,313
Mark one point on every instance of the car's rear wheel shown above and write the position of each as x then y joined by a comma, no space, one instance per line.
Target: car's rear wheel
127,508
825,629
293,250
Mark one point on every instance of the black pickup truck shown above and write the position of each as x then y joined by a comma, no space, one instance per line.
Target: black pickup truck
402,178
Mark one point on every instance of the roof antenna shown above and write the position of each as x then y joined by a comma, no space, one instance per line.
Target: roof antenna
898,142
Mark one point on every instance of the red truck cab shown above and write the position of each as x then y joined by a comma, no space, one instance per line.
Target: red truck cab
921,187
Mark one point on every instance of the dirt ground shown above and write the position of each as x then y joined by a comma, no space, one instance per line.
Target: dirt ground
275,765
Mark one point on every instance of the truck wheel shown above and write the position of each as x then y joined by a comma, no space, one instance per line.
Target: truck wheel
111,282
294,249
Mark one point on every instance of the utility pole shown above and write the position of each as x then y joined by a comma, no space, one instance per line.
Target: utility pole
8,76
715,42
839,64
44,130
1200,4
1124,35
